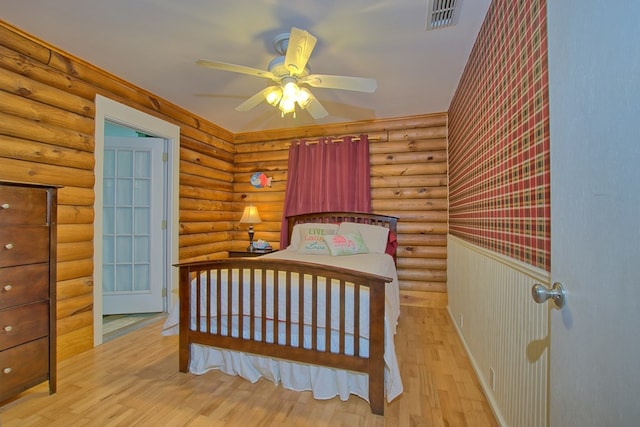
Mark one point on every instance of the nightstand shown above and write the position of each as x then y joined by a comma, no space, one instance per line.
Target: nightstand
245,254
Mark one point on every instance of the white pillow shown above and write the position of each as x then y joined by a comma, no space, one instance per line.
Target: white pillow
300,230
346,244
312,241
374,236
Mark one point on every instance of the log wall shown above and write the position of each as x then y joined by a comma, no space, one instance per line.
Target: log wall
47,136
408,180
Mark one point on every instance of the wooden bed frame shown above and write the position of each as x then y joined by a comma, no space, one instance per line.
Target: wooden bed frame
373,365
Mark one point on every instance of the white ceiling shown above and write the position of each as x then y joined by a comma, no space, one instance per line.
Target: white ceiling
154,44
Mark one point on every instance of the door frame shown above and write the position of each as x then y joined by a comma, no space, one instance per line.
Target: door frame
112,111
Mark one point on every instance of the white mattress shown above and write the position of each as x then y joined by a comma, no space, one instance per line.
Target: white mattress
325,383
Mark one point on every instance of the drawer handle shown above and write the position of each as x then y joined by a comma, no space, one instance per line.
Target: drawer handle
6,371
8,246
8,328
5,206
7,288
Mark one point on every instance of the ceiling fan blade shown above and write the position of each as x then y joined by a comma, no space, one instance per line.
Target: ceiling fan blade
253,101
315,108
235,68
359,84
299,49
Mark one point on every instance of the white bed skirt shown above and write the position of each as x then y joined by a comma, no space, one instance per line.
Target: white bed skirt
323,382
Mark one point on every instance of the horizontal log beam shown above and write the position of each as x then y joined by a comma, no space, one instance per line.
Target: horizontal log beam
404,146
68,214
209,216
32,89
187,240
71,195
187,191
68,324
422,263
36,131
410,193
204,227
74,288
39,173
19,106
38,152
206,160
408,158
74,269
422,286
422,275
74,250
412,204
407,169
71,233
428,180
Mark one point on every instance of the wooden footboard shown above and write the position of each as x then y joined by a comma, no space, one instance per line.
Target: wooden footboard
233,303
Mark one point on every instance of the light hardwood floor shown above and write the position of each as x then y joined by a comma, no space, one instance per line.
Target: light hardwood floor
134,381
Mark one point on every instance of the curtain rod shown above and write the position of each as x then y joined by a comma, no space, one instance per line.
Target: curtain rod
336,139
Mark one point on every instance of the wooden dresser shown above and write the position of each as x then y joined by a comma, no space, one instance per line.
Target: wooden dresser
27,287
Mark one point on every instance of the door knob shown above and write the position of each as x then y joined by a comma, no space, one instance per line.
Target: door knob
541,293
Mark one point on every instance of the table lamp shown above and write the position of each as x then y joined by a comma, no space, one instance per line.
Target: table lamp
250,216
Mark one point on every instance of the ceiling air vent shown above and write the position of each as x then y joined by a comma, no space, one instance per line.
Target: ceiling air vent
442,13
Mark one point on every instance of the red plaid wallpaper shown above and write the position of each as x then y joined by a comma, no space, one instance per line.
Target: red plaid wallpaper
499,137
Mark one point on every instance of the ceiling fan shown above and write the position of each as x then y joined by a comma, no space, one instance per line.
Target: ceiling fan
290,70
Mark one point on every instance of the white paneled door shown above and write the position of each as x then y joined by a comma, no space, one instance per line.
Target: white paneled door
594,101
133,233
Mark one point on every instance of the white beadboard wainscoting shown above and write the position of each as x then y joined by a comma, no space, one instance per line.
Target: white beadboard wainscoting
505,333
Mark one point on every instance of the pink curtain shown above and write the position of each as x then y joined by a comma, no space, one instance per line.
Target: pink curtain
327,176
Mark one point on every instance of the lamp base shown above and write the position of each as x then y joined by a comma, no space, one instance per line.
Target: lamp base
251,248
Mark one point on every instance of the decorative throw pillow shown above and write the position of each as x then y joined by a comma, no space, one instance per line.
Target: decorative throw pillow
346,244
312,241
374,236
300,230
392,244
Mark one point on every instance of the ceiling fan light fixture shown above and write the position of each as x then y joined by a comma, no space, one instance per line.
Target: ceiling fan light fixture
286,97
273,95
290,91
287,105
304,97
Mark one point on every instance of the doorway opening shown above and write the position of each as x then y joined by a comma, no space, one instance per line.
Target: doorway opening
136,218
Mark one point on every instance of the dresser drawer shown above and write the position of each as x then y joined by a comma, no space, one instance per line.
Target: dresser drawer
23,323
24,284
23,245
23,205
23,367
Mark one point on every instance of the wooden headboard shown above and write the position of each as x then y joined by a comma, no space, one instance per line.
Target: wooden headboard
391,222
